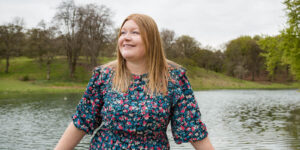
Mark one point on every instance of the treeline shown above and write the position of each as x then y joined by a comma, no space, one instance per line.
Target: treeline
88,31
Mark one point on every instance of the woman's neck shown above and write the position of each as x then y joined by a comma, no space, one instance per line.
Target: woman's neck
138,68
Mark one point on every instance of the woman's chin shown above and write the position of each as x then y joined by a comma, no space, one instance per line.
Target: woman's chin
128,57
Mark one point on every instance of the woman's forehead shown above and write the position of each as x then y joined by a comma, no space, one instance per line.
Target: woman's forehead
130,24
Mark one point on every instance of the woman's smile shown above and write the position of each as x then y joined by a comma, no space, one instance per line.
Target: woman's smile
128,45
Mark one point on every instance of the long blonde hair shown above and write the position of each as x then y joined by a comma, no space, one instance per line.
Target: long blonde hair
156,62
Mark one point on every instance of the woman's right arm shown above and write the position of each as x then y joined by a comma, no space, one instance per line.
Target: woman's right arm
70,138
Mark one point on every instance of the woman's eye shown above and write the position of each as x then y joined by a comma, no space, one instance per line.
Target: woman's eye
136,32
123,32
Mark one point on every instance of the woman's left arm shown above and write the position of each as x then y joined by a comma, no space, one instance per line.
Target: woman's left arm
203,144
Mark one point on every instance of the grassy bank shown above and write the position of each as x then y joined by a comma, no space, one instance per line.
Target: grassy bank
202,79
26,68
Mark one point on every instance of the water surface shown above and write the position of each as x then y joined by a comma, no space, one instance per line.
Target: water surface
236,119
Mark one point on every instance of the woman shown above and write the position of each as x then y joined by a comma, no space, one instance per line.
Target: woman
134,98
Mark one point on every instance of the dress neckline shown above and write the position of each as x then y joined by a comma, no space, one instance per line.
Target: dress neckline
135,76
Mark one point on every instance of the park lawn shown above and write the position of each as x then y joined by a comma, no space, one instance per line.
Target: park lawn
35,74
23,67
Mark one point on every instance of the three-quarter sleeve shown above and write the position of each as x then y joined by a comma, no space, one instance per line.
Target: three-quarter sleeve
87,116
186,124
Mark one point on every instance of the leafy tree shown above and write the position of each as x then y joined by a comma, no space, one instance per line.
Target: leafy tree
291,37
272,53
186,46
218,61
243,57
254,59
204,58
284,49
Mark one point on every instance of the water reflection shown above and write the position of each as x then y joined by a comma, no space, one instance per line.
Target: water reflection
293,127
235,119
254,119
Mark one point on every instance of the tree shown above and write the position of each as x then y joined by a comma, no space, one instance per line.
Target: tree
235,62
291,37
254,59
111,46
204,58
284,49
11,40
168,40
243,57
186,46
85,27
96,30
272,53
43,44
72,29
218,61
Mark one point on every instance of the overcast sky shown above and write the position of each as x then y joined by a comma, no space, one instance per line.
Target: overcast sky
211,22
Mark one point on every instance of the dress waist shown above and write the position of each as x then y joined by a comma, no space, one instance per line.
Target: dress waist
127,136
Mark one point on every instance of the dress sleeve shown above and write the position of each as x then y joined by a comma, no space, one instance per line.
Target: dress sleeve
186,124
87,116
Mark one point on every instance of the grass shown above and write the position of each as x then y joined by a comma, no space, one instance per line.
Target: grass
202,79
23,67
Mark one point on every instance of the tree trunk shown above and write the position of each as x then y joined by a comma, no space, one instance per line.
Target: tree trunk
73,64
71,54
40,61
94,61
48,68
72,69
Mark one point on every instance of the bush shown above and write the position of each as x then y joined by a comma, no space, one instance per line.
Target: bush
24,78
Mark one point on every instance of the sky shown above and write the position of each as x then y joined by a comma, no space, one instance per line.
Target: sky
211,22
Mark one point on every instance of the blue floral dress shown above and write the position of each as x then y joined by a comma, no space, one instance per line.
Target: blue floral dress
136,120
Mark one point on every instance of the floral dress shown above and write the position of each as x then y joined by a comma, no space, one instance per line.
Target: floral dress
136,120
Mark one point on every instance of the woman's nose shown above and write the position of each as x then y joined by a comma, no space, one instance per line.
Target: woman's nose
127,36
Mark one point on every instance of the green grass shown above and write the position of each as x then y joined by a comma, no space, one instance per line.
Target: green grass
202,79
23,66
60,82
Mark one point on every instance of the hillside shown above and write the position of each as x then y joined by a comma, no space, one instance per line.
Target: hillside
27,76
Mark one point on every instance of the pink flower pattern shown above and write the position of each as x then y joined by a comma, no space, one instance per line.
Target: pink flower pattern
136,120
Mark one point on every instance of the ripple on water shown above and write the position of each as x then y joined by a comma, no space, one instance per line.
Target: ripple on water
236,119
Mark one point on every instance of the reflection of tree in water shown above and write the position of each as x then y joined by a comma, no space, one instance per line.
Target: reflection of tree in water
272,121
258,118
293,127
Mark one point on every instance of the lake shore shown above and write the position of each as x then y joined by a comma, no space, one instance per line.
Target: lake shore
13,88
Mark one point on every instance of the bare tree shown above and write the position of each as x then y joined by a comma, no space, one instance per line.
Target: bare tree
168,40
71,28
42,44
96,30
11,40
83,28
111,46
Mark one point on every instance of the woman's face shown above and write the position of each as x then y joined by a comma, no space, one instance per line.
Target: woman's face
130,42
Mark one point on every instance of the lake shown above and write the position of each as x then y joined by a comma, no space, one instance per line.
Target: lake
236,119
